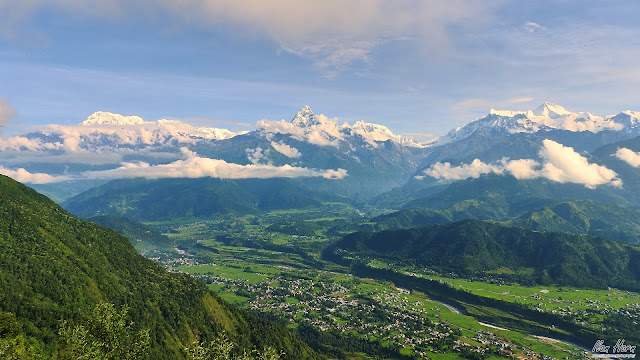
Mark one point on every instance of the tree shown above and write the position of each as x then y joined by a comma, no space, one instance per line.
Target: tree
14,345
222,348
106,336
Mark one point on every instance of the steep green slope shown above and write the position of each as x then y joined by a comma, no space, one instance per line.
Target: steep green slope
54,266
132,230
168,199
474,247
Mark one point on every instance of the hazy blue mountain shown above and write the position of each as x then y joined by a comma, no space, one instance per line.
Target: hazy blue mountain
167,199
576,217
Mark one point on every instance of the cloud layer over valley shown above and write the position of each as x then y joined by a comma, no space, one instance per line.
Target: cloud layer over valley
193,166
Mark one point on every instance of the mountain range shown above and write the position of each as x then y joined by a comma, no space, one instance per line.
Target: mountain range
539,155
545,196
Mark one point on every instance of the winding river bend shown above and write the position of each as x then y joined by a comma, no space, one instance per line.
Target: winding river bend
543,338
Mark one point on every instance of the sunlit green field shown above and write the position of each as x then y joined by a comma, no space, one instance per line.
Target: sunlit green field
239,258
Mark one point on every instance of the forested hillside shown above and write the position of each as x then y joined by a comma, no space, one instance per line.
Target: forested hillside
476,248
54,267
170,199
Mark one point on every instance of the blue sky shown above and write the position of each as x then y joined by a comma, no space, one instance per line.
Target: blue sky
415,66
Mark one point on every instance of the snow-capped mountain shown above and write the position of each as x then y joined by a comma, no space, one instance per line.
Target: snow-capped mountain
108,131
320,130
376,132
163,130
545,117
107,118
305,118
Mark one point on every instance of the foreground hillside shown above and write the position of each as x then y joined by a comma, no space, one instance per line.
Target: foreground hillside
54,266
474,247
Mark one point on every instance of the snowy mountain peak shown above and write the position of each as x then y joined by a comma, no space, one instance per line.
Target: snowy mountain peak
107,118
372,128
545,117
551,110
507,113
305,118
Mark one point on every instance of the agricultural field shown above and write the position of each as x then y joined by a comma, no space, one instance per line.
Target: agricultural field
280,275
587,307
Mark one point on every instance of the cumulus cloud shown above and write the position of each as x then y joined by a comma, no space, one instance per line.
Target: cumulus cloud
464,171
6,112
257,155
629,156
521,168
25,176
560,164
286,150
564,164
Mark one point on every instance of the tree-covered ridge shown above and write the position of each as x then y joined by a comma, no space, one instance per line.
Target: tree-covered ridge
474,247
54,266
131,229
169,199
576,217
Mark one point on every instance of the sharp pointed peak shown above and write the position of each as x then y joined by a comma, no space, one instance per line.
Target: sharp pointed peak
549,109
305,117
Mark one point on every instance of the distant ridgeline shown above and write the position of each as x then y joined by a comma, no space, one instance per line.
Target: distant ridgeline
169,199
473,247
54,267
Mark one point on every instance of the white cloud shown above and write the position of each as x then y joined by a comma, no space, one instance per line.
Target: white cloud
519,100
25,176
629,156
563,165
474,170
521,169
560,164
197,167
325,133
21,143
192,167
533,27
286,150
255,156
